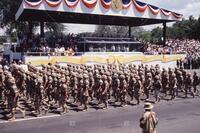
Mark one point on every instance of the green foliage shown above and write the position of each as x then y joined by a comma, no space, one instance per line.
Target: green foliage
185,29
13,27
156,35
118,31
145,36
55,28
2,39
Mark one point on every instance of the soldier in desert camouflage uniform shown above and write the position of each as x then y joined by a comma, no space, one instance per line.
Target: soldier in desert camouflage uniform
188,85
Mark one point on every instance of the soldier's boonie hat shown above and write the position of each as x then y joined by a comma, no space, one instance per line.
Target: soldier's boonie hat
137,77
55,79
63,80
122,76
85,76
90,74
156,77
148,106
50,78
11,80
104,77
148,74
80,76
1,71
40,80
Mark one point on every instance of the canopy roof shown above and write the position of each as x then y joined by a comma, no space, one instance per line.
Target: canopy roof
100,12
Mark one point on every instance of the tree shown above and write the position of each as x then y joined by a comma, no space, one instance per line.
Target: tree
156,35
185,29
13,27
145,36
117,31
55,28
103,30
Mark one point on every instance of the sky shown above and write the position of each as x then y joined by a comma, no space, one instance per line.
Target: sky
185,7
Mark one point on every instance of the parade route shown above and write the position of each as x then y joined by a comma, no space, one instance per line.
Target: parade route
130,72
179,116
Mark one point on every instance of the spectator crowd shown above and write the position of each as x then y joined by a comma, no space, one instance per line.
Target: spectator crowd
53,44
189,47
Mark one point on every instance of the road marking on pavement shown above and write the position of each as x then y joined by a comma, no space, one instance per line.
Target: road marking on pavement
27,119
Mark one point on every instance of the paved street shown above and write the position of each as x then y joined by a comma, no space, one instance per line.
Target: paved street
180,116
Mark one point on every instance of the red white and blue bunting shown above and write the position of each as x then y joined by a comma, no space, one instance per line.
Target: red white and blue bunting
89,3
155,10
53,3
176,15
126,3
71,3
141,7
33,3
106,3
165,12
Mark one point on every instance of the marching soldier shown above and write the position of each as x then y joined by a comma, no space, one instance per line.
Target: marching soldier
137,89
123,90
63,95
179,82
157,87
91,86
12,98
2,85
104,91
188,85
172,85
49,89
38,96
196,82
74,86
109,80
165,81
115,87
85,93
148,85
54,92
131,86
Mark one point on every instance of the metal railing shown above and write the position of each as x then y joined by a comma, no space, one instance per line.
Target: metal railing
49,53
